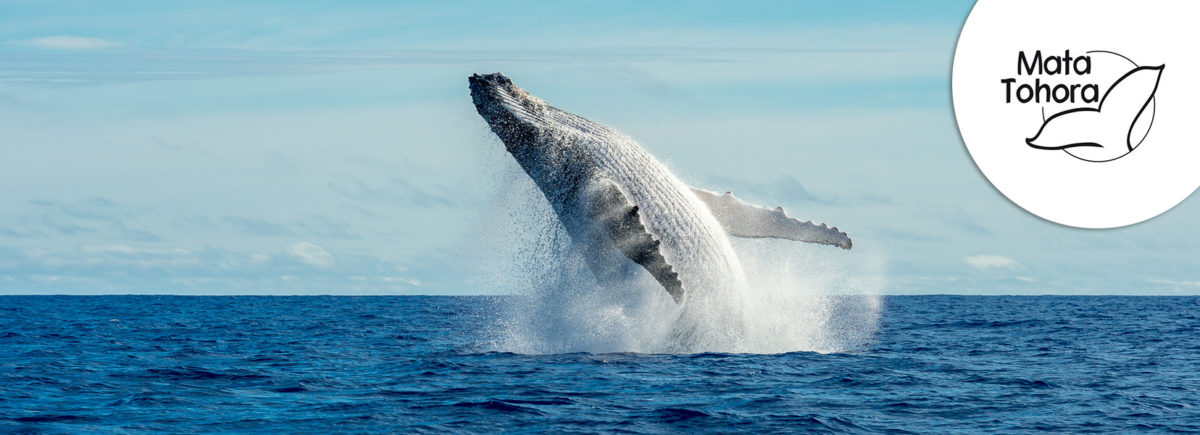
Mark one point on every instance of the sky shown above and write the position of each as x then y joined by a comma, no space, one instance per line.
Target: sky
226,147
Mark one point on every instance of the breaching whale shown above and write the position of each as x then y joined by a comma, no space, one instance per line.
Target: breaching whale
622,208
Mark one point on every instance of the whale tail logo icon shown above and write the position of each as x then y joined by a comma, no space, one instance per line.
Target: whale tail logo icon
1103,133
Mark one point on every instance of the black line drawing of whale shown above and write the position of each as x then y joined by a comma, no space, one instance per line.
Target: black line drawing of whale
1103,133
623,209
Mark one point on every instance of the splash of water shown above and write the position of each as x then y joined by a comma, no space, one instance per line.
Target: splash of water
799,297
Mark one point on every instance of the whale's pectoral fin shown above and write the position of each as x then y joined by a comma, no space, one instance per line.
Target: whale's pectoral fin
608,206
745,220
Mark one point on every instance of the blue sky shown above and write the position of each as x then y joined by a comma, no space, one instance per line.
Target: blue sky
292,147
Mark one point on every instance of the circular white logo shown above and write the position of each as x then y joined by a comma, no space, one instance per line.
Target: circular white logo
1080,111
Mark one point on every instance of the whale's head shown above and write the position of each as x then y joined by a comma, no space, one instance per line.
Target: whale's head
513,114
532,131
489,89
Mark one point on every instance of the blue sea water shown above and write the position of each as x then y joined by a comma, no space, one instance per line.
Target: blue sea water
123,364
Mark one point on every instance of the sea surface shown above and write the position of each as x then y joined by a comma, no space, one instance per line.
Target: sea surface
119,364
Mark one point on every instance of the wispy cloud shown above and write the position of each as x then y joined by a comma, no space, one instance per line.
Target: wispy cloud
65,42
65,226
907,235
130,250
139,64
9,232
125,256
311,254
91,216
1175,283
985,262
957,217
788,188
400,279
257,227
327,227
397,191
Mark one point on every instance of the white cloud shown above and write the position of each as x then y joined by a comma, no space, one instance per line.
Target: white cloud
37,253
311,254
1024,278
130,250
63,42
985,262
401,279
1175,283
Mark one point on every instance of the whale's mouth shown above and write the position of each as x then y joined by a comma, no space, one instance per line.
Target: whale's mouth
498,100
487,86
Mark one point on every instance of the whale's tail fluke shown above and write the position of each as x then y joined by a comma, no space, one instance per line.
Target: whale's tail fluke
1105,132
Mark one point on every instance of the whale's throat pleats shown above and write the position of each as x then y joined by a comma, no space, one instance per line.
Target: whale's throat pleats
618,217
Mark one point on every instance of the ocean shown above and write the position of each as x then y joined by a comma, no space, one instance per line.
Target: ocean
417,364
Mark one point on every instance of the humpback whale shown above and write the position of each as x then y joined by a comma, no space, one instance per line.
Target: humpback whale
623,209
